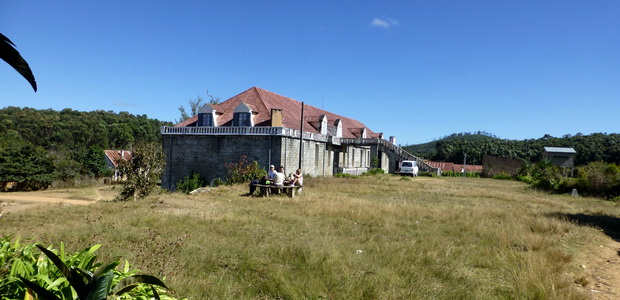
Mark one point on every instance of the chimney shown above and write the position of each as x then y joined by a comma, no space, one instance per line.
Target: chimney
276,117
393,140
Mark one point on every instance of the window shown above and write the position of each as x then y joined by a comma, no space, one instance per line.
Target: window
205,119
316,155
242,119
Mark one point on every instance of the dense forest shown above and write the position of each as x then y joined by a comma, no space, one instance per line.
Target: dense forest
41,146
590,148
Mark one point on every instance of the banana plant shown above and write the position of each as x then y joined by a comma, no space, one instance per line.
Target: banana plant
93,286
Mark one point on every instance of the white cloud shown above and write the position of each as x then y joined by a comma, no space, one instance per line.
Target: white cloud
125,104
387,23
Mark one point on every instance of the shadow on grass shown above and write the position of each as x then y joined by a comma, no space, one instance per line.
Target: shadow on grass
610,225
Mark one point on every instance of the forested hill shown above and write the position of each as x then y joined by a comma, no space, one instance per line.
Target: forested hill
69,139
593,147
428,150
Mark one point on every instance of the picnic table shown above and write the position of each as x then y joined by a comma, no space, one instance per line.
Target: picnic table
265,189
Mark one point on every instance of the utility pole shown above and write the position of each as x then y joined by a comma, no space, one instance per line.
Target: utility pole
464,164
301,136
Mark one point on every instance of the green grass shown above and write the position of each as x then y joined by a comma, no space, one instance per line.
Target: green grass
373,237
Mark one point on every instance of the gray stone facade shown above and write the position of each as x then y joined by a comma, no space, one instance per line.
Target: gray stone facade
207,155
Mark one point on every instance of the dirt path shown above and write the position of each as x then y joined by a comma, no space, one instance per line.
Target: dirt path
15,202
604,272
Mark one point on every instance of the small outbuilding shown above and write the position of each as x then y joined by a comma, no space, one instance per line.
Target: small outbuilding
112,157
561,157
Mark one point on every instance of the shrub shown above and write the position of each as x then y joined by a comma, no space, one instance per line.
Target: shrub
374,171
190,183
56,274
244,171
503,176
525,178
143,171
599,179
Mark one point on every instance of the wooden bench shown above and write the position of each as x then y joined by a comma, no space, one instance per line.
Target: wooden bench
265,189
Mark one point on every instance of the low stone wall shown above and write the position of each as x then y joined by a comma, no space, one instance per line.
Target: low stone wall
493,165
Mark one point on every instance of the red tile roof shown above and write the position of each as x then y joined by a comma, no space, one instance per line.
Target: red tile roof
115,155
262,101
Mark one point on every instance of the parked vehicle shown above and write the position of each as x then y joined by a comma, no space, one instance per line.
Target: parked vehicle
409,167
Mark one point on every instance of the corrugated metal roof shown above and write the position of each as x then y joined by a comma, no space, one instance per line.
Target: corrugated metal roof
262,101
559,150
115,155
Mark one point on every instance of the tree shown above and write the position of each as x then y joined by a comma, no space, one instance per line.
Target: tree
11,56
94,162
143,171
194,106
28,165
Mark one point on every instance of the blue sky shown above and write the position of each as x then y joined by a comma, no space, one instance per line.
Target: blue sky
417,70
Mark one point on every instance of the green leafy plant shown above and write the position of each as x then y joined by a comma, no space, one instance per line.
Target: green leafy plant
374,171
189,183
90,285
244,171
375,162
143,171
503,176
55,274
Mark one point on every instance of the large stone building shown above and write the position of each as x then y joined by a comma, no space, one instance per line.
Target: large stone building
258,125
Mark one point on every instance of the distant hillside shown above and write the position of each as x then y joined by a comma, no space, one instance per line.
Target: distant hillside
594,147
68,143
429,150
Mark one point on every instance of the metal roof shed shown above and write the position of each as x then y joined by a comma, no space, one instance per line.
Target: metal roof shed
561,157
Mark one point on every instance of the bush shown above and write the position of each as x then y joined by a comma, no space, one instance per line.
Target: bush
21,261
599,179
503,176
374,171
525,178
243,171
143,171
189,183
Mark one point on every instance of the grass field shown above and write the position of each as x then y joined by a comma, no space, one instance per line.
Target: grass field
381,237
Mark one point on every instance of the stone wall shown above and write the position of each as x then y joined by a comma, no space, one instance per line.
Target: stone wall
207,154
493,165
319,158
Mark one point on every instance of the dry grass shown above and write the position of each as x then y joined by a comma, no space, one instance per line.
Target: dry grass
369,238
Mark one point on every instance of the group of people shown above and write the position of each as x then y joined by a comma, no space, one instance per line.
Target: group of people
278,178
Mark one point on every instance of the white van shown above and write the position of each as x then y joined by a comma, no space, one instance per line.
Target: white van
409,167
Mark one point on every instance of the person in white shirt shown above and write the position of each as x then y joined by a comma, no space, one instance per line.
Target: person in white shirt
278,178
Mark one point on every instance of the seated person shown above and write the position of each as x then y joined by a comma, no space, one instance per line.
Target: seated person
270,175
298,178
278,178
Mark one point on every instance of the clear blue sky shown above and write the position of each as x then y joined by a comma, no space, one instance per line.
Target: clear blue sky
417,70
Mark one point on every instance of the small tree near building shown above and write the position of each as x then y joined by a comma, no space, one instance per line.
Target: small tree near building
143,171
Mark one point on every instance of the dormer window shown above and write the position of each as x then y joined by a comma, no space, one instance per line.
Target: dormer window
207,116
338,124
323,126
242,119
242,115
205,119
